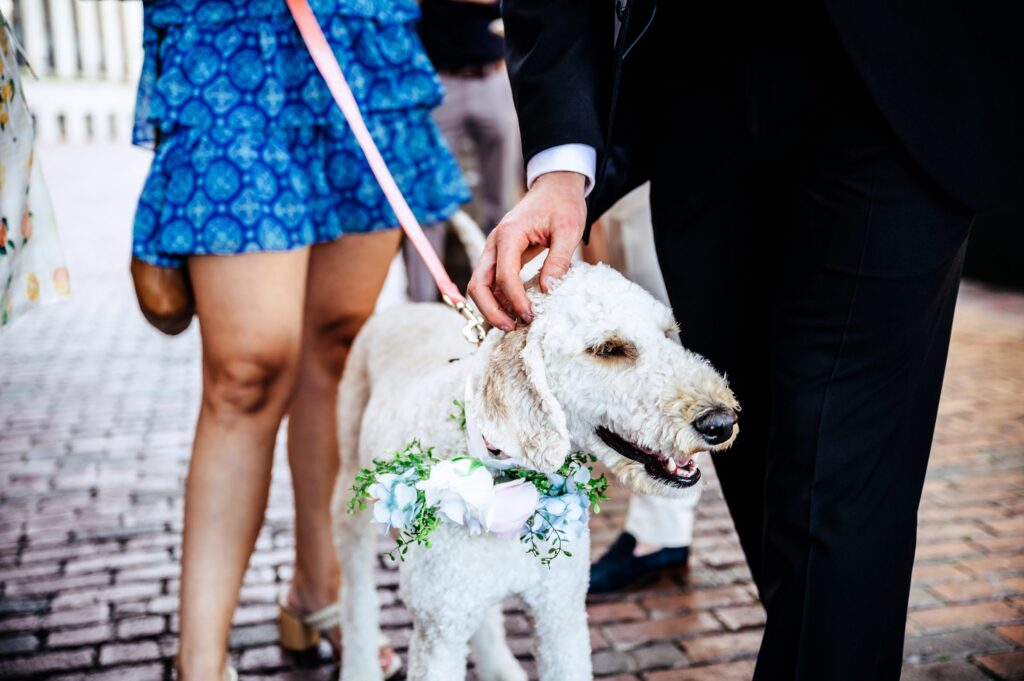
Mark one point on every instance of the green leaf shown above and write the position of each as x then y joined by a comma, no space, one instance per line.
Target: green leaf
460,414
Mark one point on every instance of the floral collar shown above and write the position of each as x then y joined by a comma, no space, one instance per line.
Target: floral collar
413,491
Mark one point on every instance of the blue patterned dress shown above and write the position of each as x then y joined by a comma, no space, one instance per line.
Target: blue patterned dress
252,153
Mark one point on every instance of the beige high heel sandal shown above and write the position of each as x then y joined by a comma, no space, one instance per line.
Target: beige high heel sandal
299,632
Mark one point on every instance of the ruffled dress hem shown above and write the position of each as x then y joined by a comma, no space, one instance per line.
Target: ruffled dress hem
253,153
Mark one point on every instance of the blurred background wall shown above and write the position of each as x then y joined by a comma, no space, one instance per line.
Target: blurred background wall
87,56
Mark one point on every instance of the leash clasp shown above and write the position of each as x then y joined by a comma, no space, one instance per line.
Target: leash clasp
473,331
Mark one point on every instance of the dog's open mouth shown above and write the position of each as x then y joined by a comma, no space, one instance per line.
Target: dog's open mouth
660,466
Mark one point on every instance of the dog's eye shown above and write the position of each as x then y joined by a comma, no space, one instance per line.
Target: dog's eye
613,348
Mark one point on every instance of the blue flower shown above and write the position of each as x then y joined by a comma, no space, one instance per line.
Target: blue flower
568,484
557,484
396,499
580,476
565,514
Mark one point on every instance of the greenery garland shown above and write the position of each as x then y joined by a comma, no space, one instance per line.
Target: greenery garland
547,534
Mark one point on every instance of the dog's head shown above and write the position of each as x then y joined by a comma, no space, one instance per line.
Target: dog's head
599,370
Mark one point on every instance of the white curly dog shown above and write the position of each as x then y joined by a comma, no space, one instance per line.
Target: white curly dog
598,370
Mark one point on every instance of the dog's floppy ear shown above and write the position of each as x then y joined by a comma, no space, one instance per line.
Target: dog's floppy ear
517,411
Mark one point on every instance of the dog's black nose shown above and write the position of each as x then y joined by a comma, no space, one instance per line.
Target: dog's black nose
716,426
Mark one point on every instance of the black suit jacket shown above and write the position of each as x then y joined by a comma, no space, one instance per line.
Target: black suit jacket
948,75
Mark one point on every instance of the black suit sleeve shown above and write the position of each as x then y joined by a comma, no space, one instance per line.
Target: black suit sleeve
559,57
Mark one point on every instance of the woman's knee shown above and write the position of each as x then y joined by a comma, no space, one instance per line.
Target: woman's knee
332,339
245,383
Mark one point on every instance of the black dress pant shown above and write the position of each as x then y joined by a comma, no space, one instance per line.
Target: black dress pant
811,260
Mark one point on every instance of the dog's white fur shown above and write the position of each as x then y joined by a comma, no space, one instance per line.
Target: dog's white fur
539,392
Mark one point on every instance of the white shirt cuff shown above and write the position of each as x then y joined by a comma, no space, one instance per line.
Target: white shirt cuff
576,158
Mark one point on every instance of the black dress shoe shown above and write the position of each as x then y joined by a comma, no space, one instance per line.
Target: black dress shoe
619,569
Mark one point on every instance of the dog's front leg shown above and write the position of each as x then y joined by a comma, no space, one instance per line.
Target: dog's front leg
559,609
563,641
438,651
494,659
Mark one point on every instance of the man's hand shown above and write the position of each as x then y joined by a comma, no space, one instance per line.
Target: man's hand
552,216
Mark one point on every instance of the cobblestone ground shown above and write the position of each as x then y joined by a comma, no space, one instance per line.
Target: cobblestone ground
96,412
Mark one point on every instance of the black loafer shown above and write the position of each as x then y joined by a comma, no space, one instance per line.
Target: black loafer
619,569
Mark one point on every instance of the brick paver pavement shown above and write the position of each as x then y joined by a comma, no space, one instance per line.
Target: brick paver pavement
96,412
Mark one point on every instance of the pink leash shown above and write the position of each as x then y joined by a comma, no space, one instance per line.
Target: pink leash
327,64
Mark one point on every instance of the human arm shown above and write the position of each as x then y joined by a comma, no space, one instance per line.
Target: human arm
557,52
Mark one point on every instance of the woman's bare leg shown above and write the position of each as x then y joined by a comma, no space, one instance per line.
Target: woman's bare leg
345,277
250,313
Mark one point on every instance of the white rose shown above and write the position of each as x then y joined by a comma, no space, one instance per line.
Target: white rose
463,490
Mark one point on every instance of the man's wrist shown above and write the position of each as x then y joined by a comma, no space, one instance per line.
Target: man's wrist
566,180
578,158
